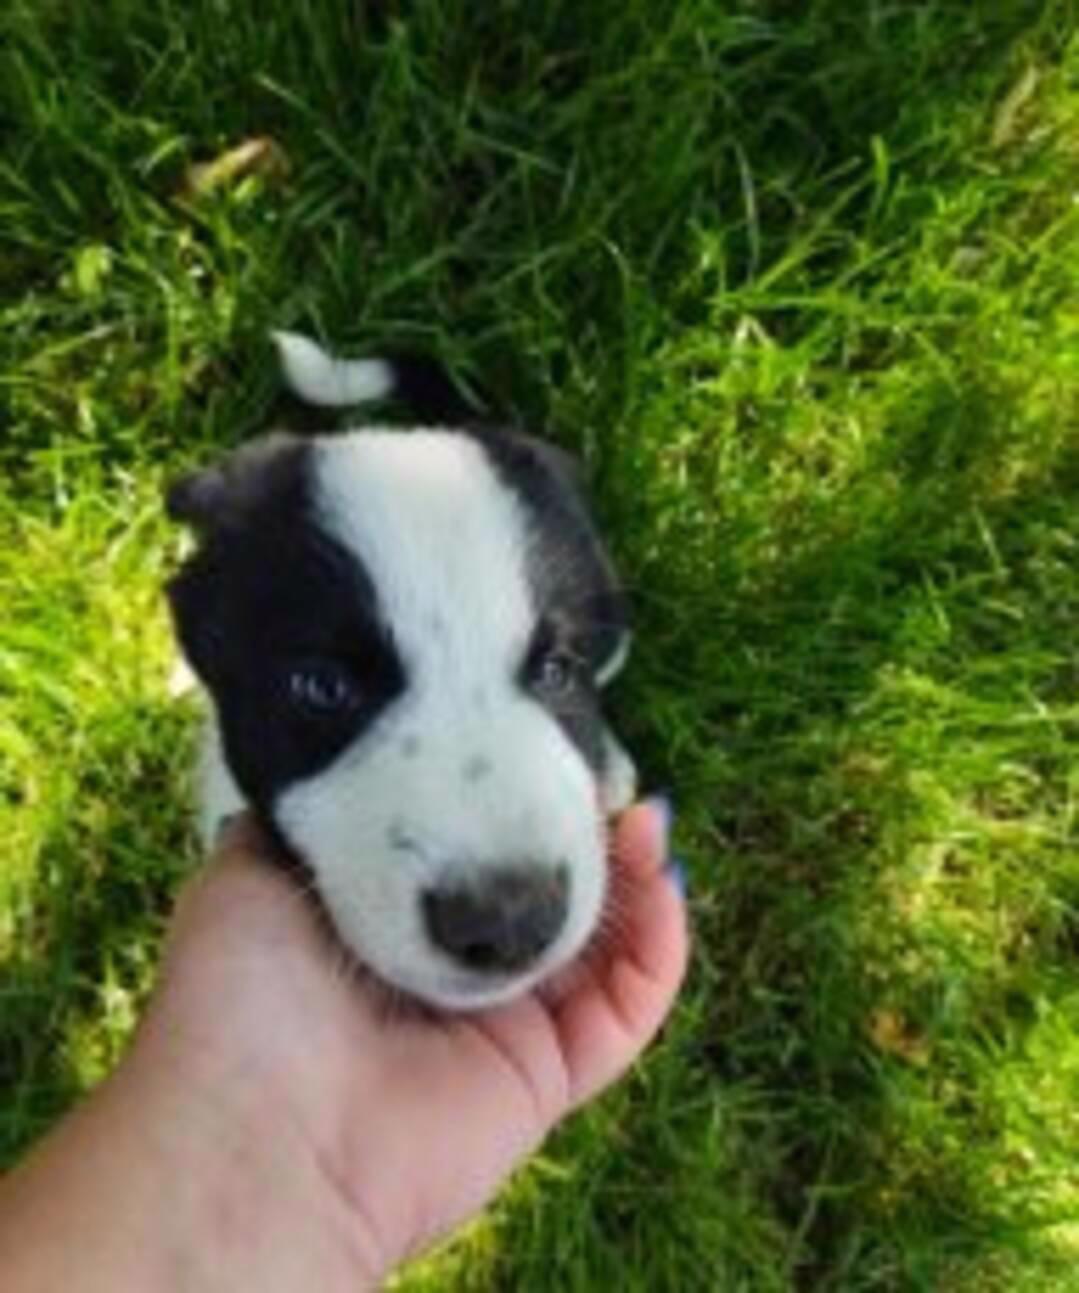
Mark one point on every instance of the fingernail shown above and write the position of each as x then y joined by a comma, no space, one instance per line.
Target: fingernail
676,870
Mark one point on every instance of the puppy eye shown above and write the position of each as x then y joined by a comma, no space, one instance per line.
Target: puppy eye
554,672
322,688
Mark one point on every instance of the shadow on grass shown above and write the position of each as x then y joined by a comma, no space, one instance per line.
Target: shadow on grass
807,811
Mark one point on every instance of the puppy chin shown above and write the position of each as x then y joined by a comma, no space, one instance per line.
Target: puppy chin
459,993
445,989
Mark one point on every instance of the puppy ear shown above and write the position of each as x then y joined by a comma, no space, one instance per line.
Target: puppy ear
542,471
610,639
219,497
552,482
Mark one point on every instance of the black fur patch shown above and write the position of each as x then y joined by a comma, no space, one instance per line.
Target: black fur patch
580,606
423,386
266,592
571,574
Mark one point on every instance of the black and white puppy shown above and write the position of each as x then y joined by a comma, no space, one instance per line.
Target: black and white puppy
404,634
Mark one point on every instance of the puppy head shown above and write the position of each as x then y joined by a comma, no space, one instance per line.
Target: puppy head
404,635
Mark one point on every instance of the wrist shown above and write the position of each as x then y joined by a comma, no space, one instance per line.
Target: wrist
253,1195
159,1183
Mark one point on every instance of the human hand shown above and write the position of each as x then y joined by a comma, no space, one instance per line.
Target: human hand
278,1126
412,1121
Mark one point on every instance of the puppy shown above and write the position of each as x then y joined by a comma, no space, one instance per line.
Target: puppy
404,635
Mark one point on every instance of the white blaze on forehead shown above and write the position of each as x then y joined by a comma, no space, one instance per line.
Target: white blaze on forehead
442,538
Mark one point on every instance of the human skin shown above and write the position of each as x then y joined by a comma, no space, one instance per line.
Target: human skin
279,1124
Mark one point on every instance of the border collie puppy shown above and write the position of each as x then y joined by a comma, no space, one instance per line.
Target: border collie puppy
404,635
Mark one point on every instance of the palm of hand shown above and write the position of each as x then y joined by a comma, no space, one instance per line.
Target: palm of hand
411,1121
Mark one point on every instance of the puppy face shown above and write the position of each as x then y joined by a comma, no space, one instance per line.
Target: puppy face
404,634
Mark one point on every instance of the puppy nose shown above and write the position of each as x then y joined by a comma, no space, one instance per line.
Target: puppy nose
501,921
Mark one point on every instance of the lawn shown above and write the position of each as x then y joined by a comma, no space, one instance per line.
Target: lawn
800,283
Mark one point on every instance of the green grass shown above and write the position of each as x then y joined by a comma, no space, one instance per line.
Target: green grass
801,284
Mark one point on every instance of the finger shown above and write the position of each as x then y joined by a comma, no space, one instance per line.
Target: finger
640,841
616,1011
616,1007
638,853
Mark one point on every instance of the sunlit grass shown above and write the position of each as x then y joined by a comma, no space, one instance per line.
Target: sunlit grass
800,284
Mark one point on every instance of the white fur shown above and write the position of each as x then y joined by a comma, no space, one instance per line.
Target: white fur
218,795
445,544
615,662
320,379
618,788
